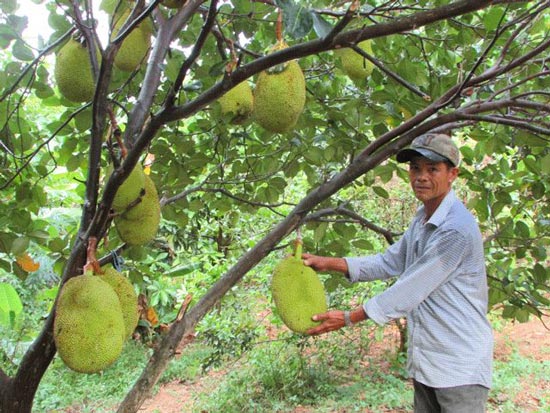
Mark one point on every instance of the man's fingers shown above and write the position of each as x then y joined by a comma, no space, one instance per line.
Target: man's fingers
320,317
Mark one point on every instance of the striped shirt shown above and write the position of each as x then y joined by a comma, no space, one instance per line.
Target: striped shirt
442,290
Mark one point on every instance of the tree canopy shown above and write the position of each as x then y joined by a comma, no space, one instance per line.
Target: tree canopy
476,69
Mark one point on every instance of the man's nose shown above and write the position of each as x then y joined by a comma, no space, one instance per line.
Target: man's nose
420,175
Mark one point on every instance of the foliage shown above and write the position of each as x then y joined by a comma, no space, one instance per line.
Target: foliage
231,330
276,375
91,393
232,193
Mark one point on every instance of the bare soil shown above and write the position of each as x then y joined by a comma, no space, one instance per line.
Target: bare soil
531,339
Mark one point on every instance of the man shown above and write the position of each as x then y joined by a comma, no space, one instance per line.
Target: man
441,287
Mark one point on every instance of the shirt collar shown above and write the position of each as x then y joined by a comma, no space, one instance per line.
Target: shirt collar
438,217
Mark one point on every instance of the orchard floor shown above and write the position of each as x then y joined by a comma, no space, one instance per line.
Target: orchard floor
531,340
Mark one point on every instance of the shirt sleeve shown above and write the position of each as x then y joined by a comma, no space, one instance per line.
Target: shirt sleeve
433,267
390,263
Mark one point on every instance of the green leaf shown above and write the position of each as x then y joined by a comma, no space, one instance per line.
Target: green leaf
297,20
22,52
83,121
73,163
532,164
8,6
363,244
522,315
320,25
182,270
19,245
320,232
10,304
492,18
7,34
522,229
381,192
540,273
57,244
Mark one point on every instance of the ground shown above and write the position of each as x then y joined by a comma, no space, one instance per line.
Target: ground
531,339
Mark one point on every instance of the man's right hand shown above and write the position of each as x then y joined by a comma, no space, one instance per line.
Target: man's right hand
321,264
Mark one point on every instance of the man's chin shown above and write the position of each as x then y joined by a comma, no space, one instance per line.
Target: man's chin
421,195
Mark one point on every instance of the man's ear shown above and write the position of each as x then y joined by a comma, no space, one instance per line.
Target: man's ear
454,174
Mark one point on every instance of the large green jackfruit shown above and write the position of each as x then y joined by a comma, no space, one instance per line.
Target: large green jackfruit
88,330
353,64
139,224
139,232
126,295
279,97
237,102
149,200
130,190
73,72
298,293
135,47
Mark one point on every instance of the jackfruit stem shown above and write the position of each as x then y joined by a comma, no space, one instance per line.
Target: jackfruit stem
279,26
92,263
298,248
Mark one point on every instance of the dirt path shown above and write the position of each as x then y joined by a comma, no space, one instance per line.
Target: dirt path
531,339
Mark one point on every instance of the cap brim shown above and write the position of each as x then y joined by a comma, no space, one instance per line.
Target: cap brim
407,154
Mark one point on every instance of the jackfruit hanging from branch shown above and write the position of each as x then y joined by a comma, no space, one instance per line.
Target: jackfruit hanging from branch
297,292
280,95
73,72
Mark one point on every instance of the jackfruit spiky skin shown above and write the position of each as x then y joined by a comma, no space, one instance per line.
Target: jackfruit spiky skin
298,294
88,330
126,295
129,190
73,72
135,47
149,200
279,98
353,64
238,102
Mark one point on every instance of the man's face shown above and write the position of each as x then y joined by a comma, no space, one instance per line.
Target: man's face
430,181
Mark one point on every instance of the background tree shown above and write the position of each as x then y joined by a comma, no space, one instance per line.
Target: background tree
475,68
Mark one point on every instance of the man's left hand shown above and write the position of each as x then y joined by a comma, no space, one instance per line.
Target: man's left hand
330,321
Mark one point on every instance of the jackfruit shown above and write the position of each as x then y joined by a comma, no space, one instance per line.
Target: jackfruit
88,329
130,190
140,223
237,102
297,292
126,295
353,64
279,96
73,72
135,46
148,200
139,232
